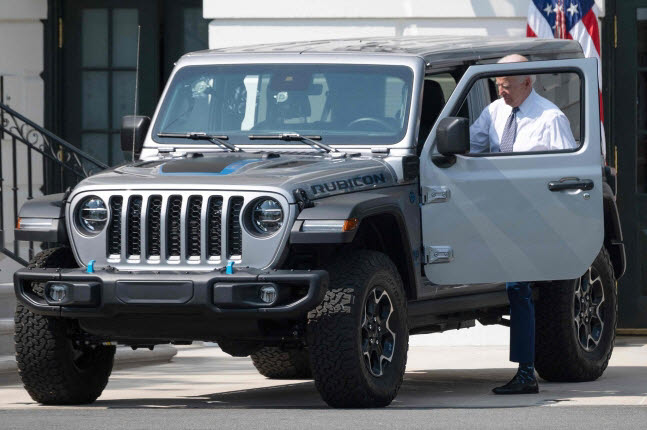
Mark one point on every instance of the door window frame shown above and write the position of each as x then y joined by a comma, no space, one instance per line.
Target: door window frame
485,75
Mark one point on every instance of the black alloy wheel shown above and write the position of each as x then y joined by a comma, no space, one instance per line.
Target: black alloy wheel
588,310
378,340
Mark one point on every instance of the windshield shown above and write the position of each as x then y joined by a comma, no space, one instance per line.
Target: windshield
344,104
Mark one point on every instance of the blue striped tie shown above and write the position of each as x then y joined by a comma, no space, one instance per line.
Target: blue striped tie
509,132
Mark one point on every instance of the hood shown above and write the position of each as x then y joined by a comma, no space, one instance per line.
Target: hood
318,175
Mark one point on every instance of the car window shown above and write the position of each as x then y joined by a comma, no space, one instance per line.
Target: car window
342,103
547,115
437,89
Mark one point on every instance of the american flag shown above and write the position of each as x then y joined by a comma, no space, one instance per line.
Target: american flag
569,19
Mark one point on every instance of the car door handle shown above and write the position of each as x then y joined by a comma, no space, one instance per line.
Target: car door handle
571,184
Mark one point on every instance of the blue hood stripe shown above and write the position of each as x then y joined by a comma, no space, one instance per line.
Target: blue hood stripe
233,167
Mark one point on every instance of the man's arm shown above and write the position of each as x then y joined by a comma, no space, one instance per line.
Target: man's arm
480,132
557,133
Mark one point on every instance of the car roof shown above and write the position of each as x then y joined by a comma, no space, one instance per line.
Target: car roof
433,49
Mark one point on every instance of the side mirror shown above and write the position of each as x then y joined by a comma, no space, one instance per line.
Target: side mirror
453,136
136,126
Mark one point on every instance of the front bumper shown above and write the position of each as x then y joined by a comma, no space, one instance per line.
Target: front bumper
198,295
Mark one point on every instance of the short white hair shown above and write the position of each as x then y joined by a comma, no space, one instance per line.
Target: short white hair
517,58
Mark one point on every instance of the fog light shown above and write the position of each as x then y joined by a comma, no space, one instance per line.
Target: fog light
57,292
268,293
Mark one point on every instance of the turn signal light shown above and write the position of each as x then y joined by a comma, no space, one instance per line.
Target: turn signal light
350,224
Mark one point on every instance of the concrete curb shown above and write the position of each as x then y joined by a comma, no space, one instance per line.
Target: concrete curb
124,357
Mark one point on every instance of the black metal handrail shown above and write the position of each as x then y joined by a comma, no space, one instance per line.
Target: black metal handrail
61,160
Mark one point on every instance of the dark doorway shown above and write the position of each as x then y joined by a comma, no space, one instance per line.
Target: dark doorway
92,60
99,60
629,124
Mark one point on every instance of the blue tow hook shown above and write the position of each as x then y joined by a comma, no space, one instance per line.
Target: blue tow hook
230,268
90,267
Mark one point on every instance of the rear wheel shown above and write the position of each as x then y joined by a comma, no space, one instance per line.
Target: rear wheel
275,363
358,335
576,324
55,365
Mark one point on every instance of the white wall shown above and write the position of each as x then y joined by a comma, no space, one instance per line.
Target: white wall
21,62
260,21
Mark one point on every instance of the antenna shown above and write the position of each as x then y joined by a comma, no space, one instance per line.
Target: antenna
139,31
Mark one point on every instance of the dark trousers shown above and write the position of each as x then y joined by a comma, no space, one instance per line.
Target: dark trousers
522,322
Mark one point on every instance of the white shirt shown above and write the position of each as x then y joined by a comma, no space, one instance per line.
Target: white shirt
541,126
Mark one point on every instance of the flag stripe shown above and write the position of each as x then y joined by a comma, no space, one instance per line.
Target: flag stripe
552,18
590,21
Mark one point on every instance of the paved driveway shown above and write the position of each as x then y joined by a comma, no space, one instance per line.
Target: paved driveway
444,386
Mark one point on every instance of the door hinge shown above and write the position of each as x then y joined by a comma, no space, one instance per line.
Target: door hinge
60,33
438,254
615,31
435,194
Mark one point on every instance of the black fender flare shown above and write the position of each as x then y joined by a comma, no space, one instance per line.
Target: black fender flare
613,232
343,207
401,206
50,207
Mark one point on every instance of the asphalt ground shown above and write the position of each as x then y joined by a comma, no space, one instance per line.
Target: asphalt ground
444,387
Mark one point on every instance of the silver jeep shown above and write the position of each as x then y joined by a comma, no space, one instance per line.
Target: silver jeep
314,204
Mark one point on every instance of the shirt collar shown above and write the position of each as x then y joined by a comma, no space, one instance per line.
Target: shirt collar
525,106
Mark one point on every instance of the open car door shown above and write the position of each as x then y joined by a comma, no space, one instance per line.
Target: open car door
500,217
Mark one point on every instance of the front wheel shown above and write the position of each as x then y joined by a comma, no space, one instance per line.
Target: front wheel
56,366
358,335
576,324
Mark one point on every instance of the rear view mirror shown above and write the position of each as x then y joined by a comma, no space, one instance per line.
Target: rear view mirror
133,133
453,136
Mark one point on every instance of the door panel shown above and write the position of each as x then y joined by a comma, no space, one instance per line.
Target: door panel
501,221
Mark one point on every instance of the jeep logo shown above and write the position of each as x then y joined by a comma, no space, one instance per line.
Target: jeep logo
348,184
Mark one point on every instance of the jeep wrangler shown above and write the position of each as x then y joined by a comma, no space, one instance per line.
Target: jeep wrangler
311,205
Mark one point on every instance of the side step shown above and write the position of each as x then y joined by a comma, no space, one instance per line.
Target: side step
439,313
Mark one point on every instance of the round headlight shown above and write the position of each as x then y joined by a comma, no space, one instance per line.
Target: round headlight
92,215
266,216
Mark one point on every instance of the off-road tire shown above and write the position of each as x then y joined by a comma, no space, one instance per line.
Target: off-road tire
274,363
54,369
334,333
559,355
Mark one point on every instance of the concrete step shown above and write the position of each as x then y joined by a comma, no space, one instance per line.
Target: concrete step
7,300
6,336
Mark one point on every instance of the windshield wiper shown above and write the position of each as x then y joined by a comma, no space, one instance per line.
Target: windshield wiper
215,139
312,140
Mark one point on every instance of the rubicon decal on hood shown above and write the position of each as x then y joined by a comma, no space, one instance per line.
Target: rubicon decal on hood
348,184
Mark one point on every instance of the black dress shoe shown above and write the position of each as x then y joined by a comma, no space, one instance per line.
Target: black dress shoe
519,385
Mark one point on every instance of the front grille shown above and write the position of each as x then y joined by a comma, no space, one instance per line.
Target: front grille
235,233
193,218
214,225
154,224
134,226
171,228
114,227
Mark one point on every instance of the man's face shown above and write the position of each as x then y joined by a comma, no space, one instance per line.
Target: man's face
513,89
